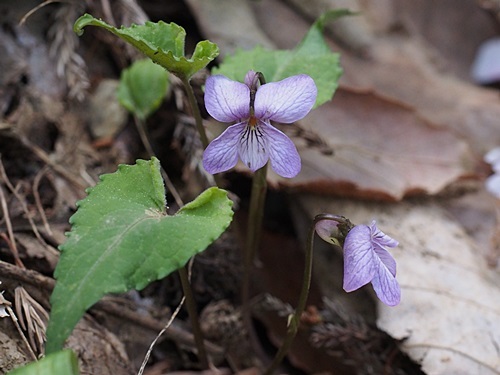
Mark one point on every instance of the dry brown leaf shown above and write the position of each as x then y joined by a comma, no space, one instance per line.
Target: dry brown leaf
382,149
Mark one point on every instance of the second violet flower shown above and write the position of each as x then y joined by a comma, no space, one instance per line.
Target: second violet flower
253,139
366,259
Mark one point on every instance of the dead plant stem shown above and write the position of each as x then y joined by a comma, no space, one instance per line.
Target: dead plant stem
8,223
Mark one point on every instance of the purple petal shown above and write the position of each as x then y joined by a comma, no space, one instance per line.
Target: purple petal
386,286
380,237
222,153
285,159
226,100
359,259
253,147
286,101
386,258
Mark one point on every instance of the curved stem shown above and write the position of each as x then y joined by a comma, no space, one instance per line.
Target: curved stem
294,320
196,112
193,316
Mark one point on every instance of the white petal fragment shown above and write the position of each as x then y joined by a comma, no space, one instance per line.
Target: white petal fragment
493,156
493,185
226,100
286,101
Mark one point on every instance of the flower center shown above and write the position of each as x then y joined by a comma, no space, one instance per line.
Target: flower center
252,121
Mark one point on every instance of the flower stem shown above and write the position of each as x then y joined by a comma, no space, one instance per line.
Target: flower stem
196,112
193,316
255,216
294,320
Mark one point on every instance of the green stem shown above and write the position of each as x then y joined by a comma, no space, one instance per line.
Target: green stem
255,216
193,316
294,320
196,112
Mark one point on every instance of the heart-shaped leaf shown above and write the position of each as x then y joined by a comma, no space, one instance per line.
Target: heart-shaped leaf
122,239
63,362
142,87
311,56
161,42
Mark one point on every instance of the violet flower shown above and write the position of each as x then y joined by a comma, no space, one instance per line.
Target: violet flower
366,260
253,139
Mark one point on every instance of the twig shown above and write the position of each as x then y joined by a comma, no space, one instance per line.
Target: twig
11,240
34,228
38,201
43,156
153,343
36,9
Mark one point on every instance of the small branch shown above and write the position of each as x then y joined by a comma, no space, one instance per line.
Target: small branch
11,241
153,343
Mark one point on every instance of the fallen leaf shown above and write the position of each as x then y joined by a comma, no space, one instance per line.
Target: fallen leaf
381,149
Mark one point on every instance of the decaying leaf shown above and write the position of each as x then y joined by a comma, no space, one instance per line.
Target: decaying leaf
381,149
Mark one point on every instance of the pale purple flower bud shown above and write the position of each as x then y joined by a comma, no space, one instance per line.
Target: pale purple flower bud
367,260
253,139
251,78
332,228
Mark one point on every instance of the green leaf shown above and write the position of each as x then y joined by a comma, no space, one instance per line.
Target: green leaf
142,87
312,56
161,42
60,363
122,239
